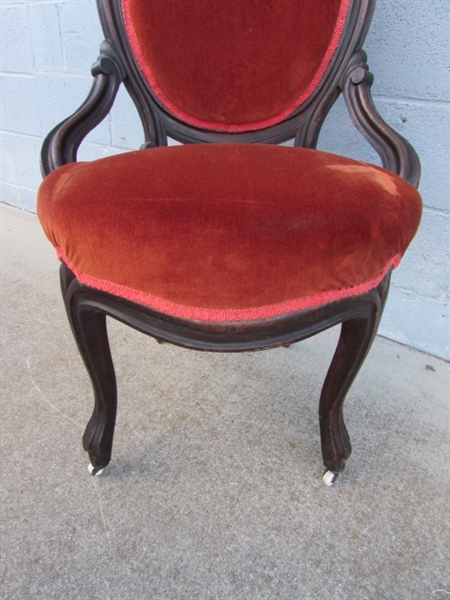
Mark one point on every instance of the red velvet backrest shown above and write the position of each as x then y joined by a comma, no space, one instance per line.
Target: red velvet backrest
233,65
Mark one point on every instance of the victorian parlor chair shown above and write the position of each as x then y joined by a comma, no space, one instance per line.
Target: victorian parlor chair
229,242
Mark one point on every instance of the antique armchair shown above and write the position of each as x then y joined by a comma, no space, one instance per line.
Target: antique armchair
229,242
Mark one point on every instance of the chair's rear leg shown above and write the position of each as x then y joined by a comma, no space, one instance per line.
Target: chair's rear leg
89,329
354,343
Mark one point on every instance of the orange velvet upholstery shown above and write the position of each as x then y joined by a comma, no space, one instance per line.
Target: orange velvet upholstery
228,232
235,65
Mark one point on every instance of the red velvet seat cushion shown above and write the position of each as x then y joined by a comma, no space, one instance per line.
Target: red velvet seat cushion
228,232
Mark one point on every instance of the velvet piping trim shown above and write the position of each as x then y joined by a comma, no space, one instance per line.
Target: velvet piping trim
226,315
136,48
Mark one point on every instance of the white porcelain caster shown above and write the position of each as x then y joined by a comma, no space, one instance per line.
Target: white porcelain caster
329,478
92,470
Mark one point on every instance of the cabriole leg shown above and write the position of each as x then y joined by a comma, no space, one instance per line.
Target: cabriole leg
354,343
89,329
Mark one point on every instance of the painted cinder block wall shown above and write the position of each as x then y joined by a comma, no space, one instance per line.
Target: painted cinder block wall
49,45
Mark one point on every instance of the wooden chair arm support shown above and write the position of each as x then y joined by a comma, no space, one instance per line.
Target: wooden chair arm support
61,144
396,153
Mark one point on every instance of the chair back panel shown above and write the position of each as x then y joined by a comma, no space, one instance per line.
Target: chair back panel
233,68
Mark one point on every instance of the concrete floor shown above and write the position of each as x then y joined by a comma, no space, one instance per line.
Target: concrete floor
214,490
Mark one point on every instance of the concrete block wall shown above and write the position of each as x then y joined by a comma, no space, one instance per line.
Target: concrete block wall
49,45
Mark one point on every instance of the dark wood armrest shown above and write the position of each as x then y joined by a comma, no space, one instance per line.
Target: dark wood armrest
396,153
62,143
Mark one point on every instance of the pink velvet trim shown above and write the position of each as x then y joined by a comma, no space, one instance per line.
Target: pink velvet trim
134,43
226,315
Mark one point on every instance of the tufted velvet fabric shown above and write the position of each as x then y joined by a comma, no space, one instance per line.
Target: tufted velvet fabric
253,76
228,232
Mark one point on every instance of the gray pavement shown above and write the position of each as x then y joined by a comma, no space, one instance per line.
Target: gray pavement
214,490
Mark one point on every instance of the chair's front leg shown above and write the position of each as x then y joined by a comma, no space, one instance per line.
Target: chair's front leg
354,343
89,330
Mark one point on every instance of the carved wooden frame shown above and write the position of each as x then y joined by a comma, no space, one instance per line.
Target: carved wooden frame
87,308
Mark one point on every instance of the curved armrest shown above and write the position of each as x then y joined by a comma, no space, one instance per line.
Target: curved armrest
396,153
62,143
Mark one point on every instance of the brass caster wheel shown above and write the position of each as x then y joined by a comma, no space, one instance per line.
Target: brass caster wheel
93,471
329,478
